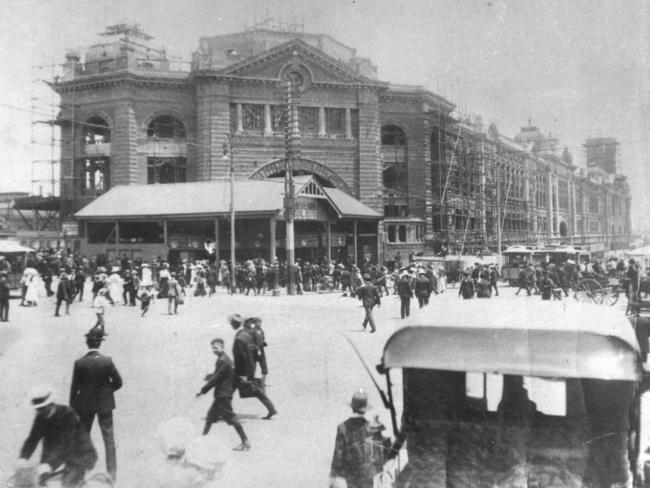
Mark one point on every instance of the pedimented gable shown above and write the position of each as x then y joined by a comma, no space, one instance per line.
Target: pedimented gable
321,68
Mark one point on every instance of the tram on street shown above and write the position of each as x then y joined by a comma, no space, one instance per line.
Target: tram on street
516,256
502,398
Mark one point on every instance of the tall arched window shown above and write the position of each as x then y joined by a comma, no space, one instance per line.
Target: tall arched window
395,170
96,131
164,166
166,127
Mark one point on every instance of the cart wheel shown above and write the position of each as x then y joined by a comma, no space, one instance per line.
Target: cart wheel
594,291
610,296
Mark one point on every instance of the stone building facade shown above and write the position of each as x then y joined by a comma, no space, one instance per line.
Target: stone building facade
129,116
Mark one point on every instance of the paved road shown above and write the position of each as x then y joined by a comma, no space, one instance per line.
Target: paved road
162,358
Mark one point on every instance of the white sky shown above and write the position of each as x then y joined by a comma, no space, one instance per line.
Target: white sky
577,68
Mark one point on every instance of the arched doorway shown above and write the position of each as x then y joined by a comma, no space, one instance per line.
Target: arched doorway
564,231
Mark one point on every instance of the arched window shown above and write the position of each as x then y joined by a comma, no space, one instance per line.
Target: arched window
395,167
96,131
166,127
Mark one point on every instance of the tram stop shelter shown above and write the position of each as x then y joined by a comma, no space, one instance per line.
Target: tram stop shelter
173,221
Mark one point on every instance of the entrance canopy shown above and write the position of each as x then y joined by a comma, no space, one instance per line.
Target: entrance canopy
212,198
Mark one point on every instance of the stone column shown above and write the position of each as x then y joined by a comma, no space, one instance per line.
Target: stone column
213,126
556,204
268,129
367,174
124,168
549,203
321,122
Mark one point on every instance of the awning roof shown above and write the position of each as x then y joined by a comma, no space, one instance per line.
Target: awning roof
208,198
543,339
9,247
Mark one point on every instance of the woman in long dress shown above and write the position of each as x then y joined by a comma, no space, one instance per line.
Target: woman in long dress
115,282
31,295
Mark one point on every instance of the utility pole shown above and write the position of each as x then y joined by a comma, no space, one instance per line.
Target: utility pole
499,237
292,149
228,152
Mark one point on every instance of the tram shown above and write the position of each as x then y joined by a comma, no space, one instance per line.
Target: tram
516,256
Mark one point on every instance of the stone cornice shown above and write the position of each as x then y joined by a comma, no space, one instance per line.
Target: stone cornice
122,77
216,75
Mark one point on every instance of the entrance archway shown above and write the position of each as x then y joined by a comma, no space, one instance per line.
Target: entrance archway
325,175
564,231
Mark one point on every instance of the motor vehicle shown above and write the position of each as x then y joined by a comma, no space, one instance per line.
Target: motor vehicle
516,256
537,394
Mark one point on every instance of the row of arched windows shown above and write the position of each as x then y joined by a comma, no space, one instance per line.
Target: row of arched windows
93,173
97,131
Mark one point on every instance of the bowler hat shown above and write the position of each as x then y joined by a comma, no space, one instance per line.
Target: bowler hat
359,402
96,333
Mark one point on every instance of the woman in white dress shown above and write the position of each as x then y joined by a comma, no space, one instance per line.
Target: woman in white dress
146,275
115,282
31,295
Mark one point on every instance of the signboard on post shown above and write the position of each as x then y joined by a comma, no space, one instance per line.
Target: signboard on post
70,228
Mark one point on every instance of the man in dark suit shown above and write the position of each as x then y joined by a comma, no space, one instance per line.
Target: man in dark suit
94,380
369,296
65,442
405,292
221,381
242,348
4,297
63,294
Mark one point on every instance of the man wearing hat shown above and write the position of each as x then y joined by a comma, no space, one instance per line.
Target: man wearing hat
4,297
369,296
63,294
65,442
405,292
422,288
222,382
352,460
245,363
94,379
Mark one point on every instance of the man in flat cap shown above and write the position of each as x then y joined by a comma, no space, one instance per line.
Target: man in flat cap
242,348
94,380
221,381
65,442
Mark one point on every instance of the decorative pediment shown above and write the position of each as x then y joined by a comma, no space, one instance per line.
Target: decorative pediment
296,54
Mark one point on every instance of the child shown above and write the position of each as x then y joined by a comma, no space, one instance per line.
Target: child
145,299
100,303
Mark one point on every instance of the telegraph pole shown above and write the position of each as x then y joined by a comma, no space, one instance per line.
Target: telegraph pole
292,149
228,151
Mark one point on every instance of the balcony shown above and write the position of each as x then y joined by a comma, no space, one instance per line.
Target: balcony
165,148
97,150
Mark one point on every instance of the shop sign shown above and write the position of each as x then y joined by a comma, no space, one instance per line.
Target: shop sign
305,209
70,228
306,241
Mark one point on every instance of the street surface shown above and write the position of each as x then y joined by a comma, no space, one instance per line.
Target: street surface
163,359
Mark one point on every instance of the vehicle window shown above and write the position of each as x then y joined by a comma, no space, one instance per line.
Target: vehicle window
549,396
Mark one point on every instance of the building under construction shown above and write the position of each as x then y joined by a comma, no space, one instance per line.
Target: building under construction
424,178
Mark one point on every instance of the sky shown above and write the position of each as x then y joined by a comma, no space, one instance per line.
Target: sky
575,68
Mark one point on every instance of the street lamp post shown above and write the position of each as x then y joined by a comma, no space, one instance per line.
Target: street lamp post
228,154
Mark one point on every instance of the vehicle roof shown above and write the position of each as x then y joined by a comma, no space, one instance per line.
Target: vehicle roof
527,337
568,249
